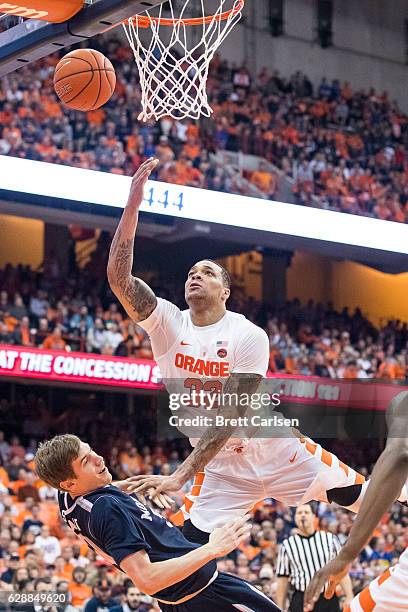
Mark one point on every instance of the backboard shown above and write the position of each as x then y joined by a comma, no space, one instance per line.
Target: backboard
24,40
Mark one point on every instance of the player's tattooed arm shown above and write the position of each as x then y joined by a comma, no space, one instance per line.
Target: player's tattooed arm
134,294
214,438
211,442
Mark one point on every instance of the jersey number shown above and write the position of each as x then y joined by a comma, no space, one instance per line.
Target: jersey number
200,392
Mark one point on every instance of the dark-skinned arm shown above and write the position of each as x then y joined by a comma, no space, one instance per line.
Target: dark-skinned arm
387,480
211,442
135,295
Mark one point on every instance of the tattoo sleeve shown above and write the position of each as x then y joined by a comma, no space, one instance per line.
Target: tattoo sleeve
214,438
134,294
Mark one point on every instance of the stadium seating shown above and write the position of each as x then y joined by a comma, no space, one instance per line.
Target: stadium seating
311,339
336,148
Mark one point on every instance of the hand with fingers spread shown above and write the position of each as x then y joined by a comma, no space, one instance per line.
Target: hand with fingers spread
139,181
156,485
332,574
161,500
226,539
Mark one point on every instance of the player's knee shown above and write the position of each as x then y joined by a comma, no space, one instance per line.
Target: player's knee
344,496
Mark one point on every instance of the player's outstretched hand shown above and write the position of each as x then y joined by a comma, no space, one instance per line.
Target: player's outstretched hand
162,501
139,181
225,539
331,573
156,484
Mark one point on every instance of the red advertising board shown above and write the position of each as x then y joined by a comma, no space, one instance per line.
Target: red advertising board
70,367
23,362
359,394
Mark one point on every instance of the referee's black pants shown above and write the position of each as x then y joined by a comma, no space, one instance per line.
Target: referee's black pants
322,605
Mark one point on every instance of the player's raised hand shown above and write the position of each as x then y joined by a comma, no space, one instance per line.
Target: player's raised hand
139,181
225,539
331,574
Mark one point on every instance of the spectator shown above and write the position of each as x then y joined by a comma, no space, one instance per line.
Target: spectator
265,180
79,590
22,332
102,597
42,332
48,544
97,337
39,304
133,601
55,341
113,339
28,489
12,566
33,522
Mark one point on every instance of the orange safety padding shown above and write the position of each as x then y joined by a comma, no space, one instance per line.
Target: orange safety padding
365,600
55,11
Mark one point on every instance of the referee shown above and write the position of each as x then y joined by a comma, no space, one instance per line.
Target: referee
300,557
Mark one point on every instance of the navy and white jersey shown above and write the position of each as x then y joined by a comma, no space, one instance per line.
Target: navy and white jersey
117,525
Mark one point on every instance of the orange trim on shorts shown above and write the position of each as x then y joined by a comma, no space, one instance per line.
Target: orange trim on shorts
347,609
326,458
199,478
359,479
365,600
195,491
311,447
188,504
344,467
177,518
384,577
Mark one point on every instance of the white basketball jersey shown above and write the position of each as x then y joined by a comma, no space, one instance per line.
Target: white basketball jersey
183,350
202,358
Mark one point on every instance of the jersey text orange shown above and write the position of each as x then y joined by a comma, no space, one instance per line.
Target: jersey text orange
201,367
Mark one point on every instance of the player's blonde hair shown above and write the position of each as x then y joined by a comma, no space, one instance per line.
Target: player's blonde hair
53,461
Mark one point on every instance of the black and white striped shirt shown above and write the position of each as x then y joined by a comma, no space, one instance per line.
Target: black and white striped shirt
300,557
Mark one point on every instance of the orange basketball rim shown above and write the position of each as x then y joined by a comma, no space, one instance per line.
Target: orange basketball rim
145,22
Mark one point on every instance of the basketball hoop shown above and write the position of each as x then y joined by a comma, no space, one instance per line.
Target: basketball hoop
173,74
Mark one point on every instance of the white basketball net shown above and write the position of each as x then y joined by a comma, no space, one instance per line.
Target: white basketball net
173,75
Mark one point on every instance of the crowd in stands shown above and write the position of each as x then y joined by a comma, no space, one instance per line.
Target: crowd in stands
344,150
39,552
77,313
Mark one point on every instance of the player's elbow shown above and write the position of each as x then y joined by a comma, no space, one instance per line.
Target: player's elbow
397,450
145,584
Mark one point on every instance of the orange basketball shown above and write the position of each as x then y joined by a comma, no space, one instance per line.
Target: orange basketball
84,79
